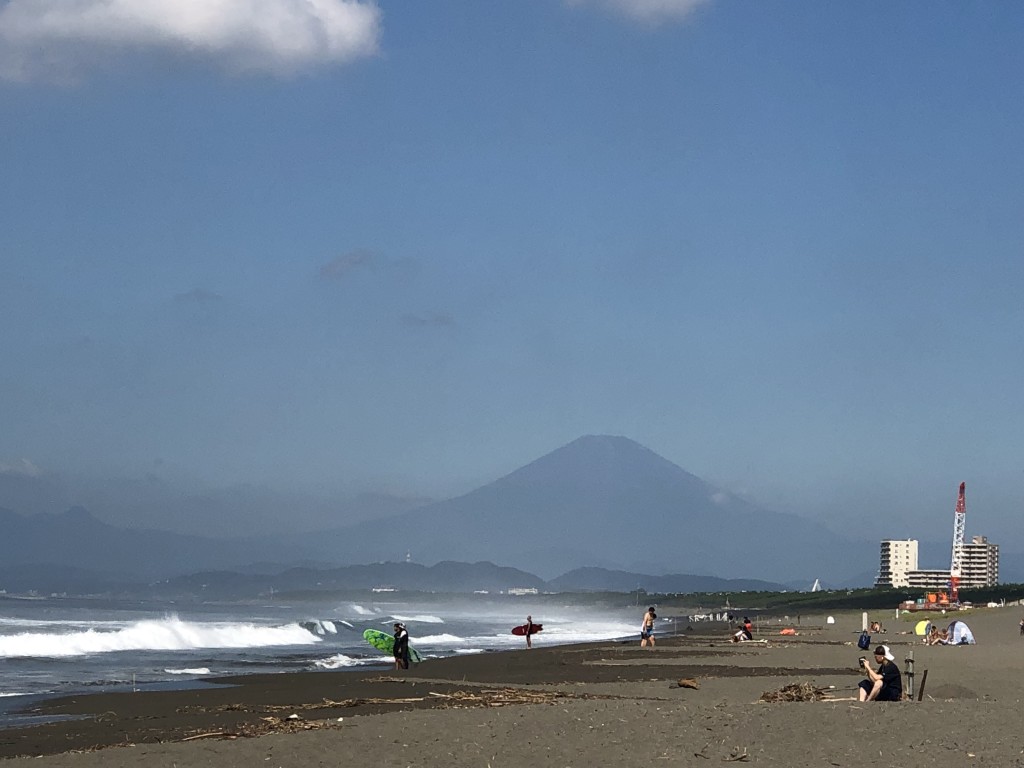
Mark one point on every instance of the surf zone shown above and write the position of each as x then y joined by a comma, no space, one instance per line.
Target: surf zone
167,634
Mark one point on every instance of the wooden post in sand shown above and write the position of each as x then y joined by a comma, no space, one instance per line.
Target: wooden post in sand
910,675
920,691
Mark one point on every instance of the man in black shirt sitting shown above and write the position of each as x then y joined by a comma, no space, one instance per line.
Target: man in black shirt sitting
887,683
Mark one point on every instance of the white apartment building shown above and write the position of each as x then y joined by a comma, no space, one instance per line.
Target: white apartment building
980,568
898,559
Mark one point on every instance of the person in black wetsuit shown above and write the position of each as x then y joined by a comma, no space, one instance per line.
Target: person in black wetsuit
401,650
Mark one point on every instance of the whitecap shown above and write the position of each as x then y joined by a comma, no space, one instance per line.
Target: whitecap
167,634
420,619
337,661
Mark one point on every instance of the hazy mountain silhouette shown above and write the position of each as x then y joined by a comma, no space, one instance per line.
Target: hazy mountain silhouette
609,502
601,579
76,540
600,501
236,511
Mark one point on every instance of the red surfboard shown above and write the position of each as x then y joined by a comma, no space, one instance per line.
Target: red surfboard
521,629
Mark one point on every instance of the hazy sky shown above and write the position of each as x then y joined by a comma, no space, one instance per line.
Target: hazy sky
327,246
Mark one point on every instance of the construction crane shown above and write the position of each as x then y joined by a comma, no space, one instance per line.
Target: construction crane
956,564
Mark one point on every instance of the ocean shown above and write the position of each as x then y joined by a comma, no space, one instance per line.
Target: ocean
60,646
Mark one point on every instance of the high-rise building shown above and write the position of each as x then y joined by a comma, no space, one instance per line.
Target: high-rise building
979,568
898,558
980,564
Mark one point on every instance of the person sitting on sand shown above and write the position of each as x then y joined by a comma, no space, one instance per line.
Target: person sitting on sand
887,683
876,626
647,628
937,636
740,635
401,650
748,628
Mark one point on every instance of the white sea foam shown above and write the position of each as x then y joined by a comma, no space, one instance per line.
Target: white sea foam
169,633
361,610
340,660
196,671
443,639
322,627
469,650
7,621
420,619
556,633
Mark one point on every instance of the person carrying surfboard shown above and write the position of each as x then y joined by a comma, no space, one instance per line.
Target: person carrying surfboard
528,626
401,650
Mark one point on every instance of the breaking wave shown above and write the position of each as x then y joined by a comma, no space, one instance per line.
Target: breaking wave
340,660
419,619
167,634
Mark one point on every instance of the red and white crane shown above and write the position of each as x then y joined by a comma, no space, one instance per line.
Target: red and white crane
957,562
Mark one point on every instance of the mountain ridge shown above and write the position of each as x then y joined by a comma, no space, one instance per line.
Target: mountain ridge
608,501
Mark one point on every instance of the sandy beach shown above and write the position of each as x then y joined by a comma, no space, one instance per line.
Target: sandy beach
596,704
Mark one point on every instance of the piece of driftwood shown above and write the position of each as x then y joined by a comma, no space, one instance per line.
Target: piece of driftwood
688,682
502,697
795,692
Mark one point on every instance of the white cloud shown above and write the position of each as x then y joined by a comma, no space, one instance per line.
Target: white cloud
651,11
22,467
57,39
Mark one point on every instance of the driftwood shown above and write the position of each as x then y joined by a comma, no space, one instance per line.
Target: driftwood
688,682
504,696
795,692
293,723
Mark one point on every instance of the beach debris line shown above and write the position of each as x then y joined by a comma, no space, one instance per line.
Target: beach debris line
293,723
504,696
795,692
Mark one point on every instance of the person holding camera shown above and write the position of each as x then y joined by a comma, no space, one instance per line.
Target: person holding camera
887,683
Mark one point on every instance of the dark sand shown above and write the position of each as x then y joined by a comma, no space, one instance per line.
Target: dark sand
599,704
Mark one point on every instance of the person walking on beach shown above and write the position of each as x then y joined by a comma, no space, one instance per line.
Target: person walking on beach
401,650
528,626
884,685
1022,626
647,628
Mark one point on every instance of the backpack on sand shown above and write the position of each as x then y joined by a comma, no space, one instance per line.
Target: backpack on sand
865,641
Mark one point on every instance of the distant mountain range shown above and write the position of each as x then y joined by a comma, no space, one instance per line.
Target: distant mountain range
603,503
444,577
609,502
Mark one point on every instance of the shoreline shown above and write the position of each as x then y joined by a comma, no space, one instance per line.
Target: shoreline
546,703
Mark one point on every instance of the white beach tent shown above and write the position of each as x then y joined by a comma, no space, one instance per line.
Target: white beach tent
959,634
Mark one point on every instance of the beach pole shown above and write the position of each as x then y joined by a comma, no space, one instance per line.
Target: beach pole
910,674
920,691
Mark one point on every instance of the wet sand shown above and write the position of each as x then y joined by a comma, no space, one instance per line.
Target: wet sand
596,704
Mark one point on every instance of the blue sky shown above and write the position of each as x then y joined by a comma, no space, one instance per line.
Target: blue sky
328,247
